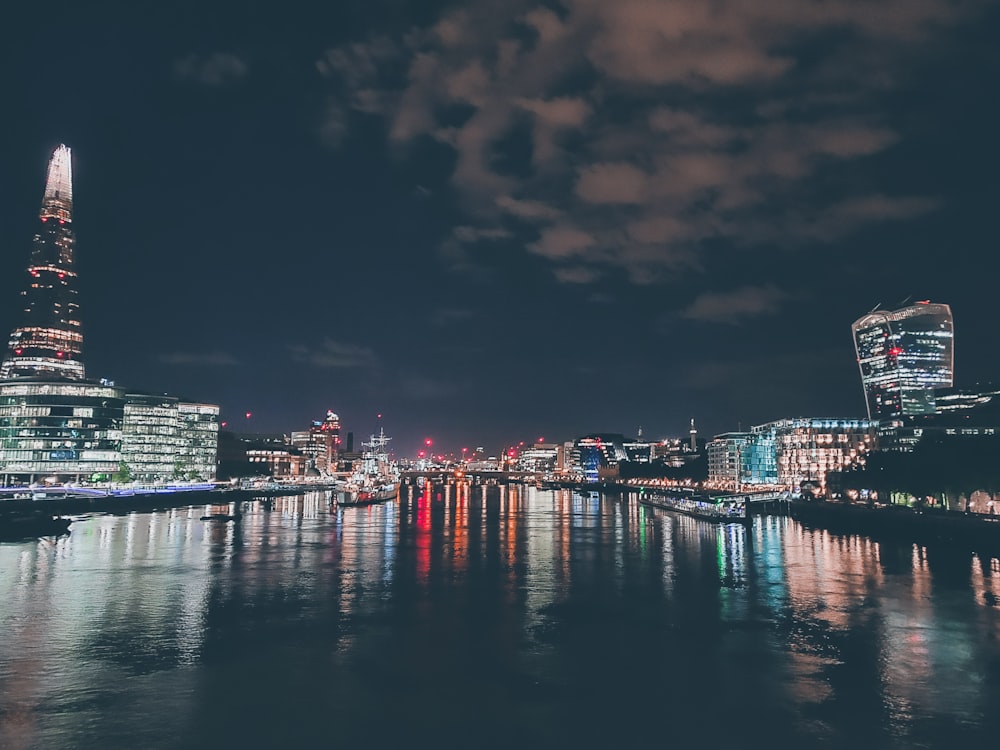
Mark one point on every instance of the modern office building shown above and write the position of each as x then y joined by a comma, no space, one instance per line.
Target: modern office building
67,431
796,452
166,439
150,442
725,453
198,440
904,355
596,457
540,458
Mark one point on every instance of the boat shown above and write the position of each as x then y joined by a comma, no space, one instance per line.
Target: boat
722,508
376,480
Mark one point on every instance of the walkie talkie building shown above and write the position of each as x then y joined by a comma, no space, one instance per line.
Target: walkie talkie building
49,340
904,355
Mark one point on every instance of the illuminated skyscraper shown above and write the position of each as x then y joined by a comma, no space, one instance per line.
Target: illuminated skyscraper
57,426
49,340
904,355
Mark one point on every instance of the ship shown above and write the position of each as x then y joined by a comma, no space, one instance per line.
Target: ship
724,509
377,478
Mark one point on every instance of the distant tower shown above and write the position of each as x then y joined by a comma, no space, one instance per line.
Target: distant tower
49,340
903,356
694,437
640,433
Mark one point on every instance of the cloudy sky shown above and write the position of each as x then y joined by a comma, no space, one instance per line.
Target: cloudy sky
498,221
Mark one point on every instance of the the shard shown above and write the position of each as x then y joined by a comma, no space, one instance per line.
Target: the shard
49,340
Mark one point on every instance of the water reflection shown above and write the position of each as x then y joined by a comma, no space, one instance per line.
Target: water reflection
498,612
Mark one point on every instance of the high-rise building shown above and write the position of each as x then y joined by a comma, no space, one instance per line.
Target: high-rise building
904,355
57,426
49,340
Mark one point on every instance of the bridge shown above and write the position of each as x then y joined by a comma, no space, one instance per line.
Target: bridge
476,476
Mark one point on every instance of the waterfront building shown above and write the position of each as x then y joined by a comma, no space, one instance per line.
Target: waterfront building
150,441
903,356
724,453
48,341
276,460
59,431
799,452
164,438
597,456
198,440
539,458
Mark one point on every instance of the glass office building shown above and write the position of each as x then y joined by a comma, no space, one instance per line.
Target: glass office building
904,355
725,453
59,431
198,435
150,441
793,452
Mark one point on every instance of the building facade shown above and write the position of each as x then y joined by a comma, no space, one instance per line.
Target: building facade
150,442
198,440
903,356
61,431
725,453
793,453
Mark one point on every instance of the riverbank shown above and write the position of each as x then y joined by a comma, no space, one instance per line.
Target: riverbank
927,526
144,500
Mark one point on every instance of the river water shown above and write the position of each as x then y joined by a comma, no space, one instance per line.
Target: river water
491,617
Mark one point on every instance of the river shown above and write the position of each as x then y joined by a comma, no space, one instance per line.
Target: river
478,617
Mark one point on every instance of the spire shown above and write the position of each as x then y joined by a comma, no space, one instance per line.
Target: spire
58,200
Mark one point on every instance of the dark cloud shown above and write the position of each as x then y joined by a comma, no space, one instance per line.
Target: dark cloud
719,131
334,354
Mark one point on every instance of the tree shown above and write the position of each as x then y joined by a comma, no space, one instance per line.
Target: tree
124,473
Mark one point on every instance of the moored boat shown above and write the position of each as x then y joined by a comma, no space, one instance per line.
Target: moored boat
723,508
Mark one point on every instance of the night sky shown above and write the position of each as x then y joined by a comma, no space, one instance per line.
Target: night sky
498,221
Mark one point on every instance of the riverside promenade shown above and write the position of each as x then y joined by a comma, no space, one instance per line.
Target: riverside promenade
72,500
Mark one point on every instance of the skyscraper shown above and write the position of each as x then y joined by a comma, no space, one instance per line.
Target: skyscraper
48,341
57,426
904,355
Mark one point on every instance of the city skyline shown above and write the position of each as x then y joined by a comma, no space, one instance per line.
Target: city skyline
493,225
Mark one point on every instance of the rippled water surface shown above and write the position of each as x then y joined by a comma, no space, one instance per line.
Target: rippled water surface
491,617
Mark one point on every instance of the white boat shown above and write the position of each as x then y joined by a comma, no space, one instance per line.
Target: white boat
725,509
376,480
